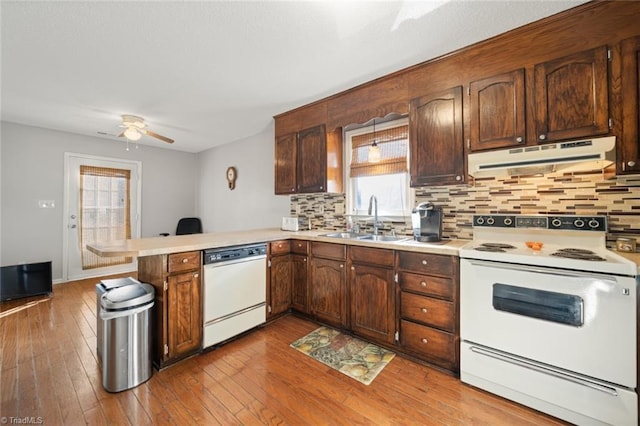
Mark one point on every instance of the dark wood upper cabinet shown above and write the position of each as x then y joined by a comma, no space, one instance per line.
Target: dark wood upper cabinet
497,111
629,144
312,156
286,155
571,96
308,161
436,139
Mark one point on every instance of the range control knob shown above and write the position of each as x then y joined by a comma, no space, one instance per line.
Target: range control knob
508,221
593,223
490,221
480,221
578,223
556,222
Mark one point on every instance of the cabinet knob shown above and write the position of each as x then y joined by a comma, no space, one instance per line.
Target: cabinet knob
519,139
341,265
424,310
353,268
321,187
185,260
196,275
423,283
631,163
424,340
305,259
542,137
293,190
424,262
458,178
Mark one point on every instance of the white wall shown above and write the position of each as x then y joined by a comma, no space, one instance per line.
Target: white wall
32,161
252,204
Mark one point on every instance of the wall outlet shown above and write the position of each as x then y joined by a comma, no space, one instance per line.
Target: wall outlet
46,204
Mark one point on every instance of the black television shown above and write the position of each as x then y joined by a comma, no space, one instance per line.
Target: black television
32,279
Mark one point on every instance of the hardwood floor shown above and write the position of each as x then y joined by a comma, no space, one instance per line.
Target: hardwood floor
49,371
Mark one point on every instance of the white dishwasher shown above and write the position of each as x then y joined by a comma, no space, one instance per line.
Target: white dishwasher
235,291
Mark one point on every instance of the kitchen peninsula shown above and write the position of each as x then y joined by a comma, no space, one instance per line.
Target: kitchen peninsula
316,275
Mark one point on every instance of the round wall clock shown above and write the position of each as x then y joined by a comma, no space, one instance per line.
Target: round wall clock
231,177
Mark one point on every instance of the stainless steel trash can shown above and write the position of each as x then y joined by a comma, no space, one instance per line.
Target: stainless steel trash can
101,288
126,338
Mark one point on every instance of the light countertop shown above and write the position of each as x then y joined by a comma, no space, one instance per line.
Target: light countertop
180,243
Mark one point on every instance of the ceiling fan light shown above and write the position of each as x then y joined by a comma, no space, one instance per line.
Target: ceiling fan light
132,134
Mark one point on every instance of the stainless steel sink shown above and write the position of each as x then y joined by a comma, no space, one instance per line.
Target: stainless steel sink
345,235
363,237
387,238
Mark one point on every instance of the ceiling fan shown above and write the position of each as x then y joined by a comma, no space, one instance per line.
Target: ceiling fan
135,127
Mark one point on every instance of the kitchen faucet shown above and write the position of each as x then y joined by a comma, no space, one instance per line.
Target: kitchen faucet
373,202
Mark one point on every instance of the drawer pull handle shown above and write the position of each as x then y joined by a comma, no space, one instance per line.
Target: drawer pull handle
185,260
424,262
424,310
424,340
423,283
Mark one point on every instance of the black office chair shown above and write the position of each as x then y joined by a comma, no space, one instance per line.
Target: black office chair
189,225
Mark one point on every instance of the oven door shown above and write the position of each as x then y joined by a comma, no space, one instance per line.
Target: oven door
578,321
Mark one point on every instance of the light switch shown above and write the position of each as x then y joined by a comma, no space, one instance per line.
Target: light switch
46,204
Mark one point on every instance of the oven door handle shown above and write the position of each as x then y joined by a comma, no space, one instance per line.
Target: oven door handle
544,370
538,269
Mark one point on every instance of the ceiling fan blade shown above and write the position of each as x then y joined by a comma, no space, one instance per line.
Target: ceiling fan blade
157,136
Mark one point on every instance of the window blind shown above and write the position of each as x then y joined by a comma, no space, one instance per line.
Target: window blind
393,144
104,212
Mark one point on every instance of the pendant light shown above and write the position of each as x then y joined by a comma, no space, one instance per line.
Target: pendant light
374,150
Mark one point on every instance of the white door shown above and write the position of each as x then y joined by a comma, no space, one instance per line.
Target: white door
102,203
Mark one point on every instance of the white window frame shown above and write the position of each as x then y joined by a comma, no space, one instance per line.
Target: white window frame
349,193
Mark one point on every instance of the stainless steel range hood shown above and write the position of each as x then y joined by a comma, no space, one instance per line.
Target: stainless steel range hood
572,156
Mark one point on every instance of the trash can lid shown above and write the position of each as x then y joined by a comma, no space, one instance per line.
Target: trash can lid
126,297
117,282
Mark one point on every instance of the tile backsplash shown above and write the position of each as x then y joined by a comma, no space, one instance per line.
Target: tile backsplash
555,193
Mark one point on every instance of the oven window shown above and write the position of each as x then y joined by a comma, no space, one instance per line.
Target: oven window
557,307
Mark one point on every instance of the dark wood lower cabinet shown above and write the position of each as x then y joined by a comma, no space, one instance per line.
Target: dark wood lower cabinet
372,293
281,276
300,290
176,279
328,291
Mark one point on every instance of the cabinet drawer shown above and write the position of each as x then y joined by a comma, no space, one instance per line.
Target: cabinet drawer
184,261
378,257
427,285
328,250
429,342
300,247
426,263
280,247
433,312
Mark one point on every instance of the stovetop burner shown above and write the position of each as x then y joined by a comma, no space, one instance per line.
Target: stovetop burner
494,247
576,253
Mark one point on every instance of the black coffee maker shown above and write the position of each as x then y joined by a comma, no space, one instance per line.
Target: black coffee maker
427,222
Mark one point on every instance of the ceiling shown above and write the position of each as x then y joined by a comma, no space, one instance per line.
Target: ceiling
207,73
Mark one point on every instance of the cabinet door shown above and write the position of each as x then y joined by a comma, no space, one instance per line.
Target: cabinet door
184,322
286,163
372,302
435,135
280,285
630,143
312,160
497,111
571,96
328,292
299,293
